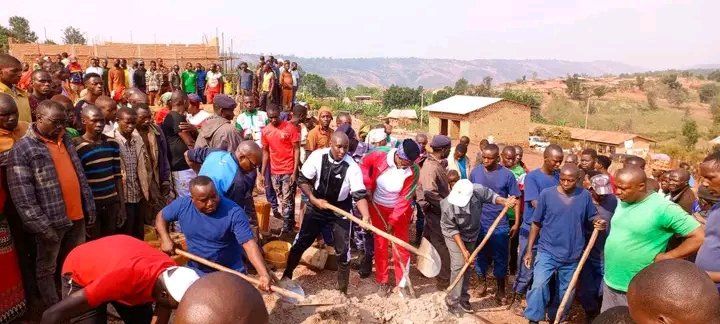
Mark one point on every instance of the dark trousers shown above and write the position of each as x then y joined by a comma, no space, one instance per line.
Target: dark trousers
312,225
294,95
270,194
514,244
419,220
50,254
141,314
105,222
134,224
524,278
590,287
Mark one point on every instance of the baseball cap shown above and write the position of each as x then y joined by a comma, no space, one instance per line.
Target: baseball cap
601,184
461,193
178,280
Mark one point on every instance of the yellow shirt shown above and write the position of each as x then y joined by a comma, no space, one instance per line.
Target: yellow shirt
266,80
21,100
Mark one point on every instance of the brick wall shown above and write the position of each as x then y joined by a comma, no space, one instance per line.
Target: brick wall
508,122
171,54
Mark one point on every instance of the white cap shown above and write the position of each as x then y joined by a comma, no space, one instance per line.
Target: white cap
461,193
178,280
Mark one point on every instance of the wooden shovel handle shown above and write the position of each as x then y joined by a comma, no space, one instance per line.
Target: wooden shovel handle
477,249
576,274
281,291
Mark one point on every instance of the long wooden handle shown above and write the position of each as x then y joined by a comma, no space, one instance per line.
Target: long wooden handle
477,249
377,231
281,291
576,274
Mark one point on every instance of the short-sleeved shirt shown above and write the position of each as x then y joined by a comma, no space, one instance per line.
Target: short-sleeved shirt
639,232
518,172
535,182
267,78
189,81
101,163
252,123
245,79
318,138
312,168
708,257
116,268
280,142
223,168
213,78
503,183
217,237
176,146
563,220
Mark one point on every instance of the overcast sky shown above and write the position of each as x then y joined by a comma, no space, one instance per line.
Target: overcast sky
647,33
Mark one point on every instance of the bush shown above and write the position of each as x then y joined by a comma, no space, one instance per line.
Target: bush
708,92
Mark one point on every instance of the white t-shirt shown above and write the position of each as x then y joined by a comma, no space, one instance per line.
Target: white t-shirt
353,181
213,78
390,183
198,118
94,69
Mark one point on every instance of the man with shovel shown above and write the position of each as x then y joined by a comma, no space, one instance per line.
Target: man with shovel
329,176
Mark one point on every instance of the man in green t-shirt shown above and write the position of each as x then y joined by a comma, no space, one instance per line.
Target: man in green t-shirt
188,79
643,224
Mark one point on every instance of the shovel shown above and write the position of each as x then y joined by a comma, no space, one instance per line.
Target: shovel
289,290
428,262
576,274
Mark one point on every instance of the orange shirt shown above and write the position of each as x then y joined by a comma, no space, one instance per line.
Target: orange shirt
67,177
8,138
117,78
317,138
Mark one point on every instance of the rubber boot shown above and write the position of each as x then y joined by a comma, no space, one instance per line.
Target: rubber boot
482,289
500,291
366,266
343,274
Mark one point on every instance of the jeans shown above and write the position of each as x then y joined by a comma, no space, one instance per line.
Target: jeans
525,275
270,194
497,249
538,298
134,224
105,222
140,314
590,287
612,298
50,254
457,261
285,189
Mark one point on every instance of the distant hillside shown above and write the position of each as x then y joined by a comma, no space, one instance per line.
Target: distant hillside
435,73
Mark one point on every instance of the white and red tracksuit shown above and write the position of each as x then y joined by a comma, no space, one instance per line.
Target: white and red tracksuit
392,191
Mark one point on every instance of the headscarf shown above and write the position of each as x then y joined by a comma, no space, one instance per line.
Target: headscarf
376,135
165,98
409,150
324,109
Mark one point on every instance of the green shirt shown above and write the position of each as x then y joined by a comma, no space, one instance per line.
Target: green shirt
517,171
72,132
188,79
638,233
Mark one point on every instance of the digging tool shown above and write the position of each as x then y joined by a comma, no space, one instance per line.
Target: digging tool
428,262
477,250
576,274
288,289
405,269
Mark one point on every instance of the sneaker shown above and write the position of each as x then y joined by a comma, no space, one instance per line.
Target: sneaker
465,306
407,293
385,290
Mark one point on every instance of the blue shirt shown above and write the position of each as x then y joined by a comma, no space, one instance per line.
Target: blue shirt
563,221
223,168
217,237
535,182
503,183
708,257
605,211
462,166
201,75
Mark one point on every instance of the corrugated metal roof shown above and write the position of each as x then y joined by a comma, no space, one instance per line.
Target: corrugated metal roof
461,105
402,113
608,137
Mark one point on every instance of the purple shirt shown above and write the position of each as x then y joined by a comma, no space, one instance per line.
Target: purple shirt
708,257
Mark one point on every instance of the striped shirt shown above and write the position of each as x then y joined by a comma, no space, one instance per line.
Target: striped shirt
101,163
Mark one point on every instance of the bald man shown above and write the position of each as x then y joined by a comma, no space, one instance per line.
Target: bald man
100,158
221,298
134,96
10,74
329,176
638,162
657,219
234,173
559,221
673,291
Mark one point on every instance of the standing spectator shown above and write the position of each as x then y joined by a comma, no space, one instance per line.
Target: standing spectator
460,162
492,175
196,115
319,137
94,87
267,86
422,140
130,74
251,121
509,160
117,81
559,223
214,85
154,81
281,153
217,131
244,80
158,170
70,128
178,142
40,90
286,84
107,107
50,192
201,76
707,257
105,76
626,252
100,158
10,73
687,167
174,78
64,59
432,188
603,166
680,191
94,67
189,79
296,80
588,159
139,79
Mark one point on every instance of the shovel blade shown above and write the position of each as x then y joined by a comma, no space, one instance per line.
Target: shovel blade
293,286
429,262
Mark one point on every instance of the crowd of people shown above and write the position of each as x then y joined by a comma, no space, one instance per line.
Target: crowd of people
83,174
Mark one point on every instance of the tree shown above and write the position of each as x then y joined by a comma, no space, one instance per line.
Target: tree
714,75
441,95
527,97
691,133
640,80
461,86
487,82
652,100
72,35
575,87
600,91
49,42
401,97
315,85
708,92
20,30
